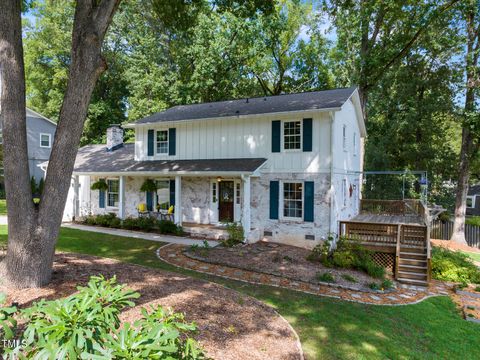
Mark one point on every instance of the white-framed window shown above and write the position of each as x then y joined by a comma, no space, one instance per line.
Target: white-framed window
344,192
113,192
45,140
214,192
237,193
162,141
471,202
292,135
163,194
354,143
344,143
292,200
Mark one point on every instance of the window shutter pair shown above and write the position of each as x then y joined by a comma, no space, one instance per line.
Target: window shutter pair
306,134
308,200
172,142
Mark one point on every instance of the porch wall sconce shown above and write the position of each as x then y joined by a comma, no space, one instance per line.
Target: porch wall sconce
219,179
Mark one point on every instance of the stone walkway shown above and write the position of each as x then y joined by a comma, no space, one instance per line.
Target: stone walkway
140,235
173,254
469,301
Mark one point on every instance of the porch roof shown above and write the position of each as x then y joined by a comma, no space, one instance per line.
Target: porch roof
94,159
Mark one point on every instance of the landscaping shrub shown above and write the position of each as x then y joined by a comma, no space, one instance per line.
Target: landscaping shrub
349,278
374,286
373,269
169,227
321,252
455,266
146,223
343,259
130,224
473,220
325,277
387,284
235,234
86,325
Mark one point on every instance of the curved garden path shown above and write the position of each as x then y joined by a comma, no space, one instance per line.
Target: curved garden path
403,295
231,325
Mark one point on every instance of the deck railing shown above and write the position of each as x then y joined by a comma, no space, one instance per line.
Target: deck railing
407,207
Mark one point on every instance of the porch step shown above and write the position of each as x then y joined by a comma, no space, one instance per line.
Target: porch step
412,255
413,249
412,275
407,267
413,281
414,262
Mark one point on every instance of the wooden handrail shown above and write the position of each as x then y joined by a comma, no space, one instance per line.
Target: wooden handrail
397,250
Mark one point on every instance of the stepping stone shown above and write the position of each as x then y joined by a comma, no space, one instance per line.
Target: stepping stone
468,318
467,293
444,293
274,280
393,298
221,270
356,296
204,267
374,297
405,296
313,287
294,284
172,255
191,263
238,273
333,291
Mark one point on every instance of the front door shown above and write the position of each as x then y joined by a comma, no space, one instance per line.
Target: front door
225,201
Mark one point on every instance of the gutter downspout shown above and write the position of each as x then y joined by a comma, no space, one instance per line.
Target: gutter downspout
332,229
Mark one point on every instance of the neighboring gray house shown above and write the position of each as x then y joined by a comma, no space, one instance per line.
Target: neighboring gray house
40,133
473,200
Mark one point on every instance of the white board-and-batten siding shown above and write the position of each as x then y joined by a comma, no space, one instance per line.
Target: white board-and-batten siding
248,137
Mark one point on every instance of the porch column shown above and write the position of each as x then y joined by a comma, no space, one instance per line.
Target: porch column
246,216
178,200
121,198
76,197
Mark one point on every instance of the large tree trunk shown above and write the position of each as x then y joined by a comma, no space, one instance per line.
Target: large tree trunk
33,230
469,147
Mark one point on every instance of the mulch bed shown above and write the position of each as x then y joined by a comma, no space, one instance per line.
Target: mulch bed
280,260
231,325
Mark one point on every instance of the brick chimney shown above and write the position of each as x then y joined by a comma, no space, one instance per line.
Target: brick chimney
114,137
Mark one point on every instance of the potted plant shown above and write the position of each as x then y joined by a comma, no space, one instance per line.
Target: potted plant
148,186
99,185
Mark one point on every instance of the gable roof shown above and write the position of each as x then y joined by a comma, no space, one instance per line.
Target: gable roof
96,159
306,101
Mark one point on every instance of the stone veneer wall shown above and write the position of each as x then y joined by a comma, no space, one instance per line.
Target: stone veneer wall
288,231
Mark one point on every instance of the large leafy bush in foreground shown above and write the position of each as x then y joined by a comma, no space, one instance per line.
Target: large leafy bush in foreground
86,325
448,265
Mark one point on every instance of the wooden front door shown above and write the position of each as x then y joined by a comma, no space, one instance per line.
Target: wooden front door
225,201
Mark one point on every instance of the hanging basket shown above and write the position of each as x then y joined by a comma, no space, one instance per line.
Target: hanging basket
149,186
99,185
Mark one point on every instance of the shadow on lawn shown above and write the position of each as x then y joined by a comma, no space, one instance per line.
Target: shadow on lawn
226,318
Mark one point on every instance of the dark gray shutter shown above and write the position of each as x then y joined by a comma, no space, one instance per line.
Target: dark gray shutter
150,142
308,195
149,200
307,134
172,141
276,134
274,195
101,197
172,192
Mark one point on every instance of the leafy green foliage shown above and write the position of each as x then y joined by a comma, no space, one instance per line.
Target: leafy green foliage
99,185
453,266
473,220
349,278
321,252
86,325
148,186
235,234
7,321
325,277
144,223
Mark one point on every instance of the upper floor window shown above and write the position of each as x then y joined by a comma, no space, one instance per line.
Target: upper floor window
344,137
162,142
471,202
112,192
293,200
292,135
45,140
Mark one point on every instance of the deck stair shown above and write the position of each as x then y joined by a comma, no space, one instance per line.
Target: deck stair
412,267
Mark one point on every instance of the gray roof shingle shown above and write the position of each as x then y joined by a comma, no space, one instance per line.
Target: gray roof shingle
95,159
314,100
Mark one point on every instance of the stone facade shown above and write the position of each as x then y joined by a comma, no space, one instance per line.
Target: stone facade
291,232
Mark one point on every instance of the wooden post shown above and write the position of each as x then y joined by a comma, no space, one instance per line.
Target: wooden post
397,251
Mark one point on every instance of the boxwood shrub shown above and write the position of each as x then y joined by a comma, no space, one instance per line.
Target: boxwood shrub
455,266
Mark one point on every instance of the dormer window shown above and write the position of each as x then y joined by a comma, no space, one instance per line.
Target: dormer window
292,135
162,142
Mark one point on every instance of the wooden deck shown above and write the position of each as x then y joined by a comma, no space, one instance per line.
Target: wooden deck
388,219
399,228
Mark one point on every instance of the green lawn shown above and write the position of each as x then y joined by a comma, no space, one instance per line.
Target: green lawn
473,256
3,207
328,328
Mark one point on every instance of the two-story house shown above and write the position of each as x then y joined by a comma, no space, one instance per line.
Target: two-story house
40,134
286,167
